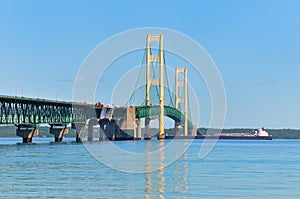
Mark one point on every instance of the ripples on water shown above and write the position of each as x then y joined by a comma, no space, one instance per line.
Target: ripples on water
234,169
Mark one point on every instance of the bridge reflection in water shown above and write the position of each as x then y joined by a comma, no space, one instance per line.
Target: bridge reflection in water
160,164
157,182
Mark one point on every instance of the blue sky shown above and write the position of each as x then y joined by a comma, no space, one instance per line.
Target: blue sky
255,44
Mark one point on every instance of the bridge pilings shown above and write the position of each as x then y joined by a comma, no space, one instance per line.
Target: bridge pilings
78,127
147,134
26,131
176,128
194,131
90,135
90,123
139,129
58,130
126,127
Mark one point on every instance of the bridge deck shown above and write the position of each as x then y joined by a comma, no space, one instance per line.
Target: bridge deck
18,110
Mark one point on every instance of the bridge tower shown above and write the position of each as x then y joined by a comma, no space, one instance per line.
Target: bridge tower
179,99
155,82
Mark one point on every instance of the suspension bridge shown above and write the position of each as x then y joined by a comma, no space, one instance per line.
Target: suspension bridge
116,123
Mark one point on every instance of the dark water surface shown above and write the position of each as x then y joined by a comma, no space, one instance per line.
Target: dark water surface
233,169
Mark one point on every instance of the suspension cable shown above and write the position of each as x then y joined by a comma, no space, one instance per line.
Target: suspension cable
168,86
136,83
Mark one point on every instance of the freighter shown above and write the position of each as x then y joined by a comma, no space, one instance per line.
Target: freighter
260,134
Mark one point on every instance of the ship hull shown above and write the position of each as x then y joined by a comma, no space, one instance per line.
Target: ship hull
222,137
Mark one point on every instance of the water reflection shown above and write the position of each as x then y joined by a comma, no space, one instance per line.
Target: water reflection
148,169
161,166
166,180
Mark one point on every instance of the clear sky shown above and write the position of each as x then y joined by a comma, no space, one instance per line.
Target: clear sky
254,43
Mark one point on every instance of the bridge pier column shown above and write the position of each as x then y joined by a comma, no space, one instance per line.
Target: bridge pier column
127,126
176,128
194,131
103,124
90,133
147,135
78,128
26,131
139,129
90,124
58,130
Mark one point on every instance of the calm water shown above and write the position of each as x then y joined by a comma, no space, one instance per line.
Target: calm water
233,169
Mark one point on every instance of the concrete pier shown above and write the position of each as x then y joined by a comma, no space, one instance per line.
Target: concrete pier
139,129
127,126
58,130
176,127
111,130
147,135
26,131
194,131
103,124
78,129
91,123
90,136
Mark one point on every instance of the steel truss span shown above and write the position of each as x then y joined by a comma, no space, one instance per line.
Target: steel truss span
19,110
